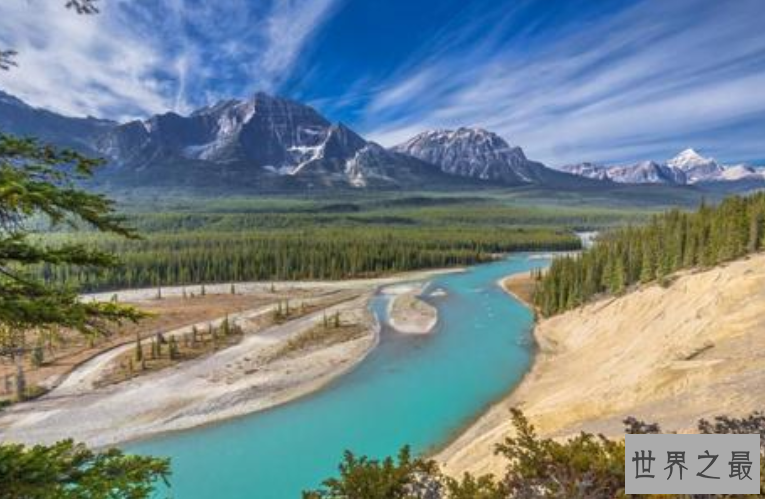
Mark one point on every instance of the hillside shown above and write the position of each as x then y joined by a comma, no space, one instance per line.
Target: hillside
676,354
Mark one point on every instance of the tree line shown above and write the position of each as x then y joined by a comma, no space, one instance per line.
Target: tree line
332,253
672,241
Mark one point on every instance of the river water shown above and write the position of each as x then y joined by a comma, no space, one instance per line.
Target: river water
416,390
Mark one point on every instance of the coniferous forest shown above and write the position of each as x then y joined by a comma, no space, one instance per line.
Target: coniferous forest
289,239
205,257
670,242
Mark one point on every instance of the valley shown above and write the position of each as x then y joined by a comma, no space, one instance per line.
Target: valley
360,249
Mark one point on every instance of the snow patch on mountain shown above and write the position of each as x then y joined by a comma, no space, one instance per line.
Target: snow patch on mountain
686,168
471,152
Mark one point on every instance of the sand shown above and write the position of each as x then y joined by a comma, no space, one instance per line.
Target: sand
228,383
407,312
669,355
238,380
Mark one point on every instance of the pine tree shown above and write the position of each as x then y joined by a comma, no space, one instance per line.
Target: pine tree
138,348
173,348
40,184
670,242
194,336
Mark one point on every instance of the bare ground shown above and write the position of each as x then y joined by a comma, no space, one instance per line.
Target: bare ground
670,355
240,379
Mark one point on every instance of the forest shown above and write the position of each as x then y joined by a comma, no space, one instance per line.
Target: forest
332,253
185,241
671,241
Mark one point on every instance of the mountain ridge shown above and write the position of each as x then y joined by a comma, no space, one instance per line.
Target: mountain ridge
268,142
688,167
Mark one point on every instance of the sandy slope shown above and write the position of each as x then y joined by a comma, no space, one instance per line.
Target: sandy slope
695,349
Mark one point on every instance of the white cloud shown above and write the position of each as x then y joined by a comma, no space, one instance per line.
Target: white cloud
140,58
641,82
80,65
288,25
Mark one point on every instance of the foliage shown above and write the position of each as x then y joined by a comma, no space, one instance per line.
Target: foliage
39,182
584,467
672,241
373,479
309,253
71,471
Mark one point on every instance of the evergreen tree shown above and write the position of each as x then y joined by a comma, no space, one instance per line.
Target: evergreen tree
670,242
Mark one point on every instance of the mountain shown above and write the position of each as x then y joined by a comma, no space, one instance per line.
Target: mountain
268,143
646,172
695,167
260,143
588,170
687,168
479,154
19,118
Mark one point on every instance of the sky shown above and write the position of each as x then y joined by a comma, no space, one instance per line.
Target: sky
568,80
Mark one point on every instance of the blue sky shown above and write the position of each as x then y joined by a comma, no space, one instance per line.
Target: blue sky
568,80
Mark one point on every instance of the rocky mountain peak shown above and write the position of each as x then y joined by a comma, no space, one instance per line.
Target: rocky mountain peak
471,152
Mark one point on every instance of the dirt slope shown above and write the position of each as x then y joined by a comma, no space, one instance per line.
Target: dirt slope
671,355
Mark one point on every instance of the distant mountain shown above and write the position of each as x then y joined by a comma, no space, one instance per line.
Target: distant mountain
479,154
268,143
687,168
261,143
587,170
695,167
21,119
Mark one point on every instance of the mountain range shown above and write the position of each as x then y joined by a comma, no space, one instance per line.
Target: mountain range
268,143
687,168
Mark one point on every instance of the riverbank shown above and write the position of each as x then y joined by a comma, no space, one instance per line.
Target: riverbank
268,367
520,286
407,312
229,383
695,349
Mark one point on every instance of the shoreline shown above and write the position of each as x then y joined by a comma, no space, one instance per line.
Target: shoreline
516,285
700,342
254,287
452,454
227,384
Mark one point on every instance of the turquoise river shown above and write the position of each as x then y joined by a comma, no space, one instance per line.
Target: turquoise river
416,390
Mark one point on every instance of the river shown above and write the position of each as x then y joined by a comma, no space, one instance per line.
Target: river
416,390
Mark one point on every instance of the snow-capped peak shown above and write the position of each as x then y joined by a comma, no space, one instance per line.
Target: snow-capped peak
471,152
688,159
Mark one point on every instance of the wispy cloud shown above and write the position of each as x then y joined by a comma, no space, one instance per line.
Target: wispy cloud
643,82
137,58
